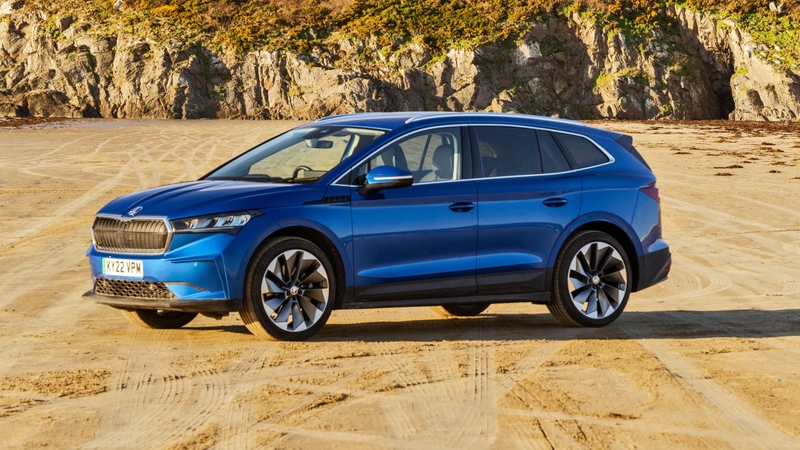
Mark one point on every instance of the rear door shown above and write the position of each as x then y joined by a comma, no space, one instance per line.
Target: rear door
527,195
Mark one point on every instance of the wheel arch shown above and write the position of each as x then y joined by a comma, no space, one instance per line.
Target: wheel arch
325,240
614,227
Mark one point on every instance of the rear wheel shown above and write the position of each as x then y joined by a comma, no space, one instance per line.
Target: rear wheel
148,318
465,310
290,290
590,281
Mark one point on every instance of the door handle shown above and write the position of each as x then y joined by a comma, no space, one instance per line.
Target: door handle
462,206
555,202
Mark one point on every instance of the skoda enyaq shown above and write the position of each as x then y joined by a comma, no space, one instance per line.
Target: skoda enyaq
450,210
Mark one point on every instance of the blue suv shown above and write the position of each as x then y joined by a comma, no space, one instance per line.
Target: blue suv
450,210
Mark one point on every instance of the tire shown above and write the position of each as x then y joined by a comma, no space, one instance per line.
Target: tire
595,291
281,302
160,320
464,310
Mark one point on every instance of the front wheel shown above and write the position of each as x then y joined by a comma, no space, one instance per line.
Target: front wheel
148,318
590,281
289,291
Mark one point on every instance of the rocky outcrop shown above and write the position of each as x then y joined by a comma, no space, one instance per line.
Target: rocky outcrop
565,66
756,89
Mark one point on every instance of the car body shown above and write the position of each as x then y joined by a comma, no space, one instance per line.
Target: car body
427,208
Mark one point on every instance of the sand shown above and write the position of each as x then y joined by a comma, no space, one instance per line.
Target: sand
710,358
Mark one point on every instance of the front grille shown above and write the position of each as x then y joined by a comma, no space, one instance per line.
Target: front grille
130,236
134,289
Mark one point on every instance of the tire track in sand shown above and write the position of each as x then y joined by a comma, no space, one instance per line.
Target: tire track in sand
151,413
67,210
477,427
236,426
746,423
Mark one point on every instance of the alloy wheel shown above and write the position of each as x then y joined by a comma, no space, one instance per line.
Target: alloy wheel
598,280
295,290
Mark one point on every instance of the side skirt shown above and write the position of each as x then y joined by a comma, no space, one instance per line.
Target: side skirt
537,297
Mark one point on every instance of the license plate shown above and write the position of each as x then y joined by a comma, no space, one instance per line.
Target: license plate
123,267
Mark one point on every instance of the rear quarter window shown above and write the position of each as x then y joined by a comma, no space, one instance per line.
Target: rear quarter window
553,160
581,151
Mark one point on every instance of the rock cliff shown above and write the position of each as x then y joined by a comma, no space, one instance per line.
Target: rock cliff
565,66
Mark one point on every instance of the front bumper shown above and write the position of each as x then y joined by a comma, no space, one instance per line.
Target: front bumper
192,276
212,306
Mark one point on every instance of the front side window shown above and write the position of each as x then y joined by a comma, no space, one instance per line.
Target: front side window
431,155
508,151
300,155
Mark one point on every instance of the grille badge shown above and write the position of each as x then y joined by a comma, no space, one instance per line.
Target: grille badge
134,211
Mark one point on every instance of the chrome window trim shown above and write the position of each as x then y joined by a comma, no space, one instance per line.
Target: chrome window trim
170,232
611,159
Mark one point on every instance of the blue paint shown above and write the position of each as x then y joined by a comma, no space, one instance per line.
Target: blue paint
472,235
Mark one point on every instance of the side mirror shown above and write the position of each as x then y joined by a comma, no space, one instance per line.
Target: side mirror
385,177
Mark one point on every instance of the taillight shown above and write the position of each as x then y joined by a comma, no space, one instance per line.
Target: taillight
652,192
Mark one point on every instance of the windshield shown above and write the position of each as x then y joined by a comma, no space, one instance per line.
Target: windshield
300,155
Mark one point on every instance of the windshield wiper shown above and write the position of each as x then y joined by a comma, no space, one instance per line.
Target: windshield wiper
303,180
255,178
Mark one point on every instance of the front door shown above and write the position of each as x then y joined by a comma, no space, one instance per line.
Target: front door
418,241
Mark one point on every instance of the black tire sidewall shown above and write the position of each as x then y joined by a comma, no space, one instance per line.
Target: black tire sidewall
562,270
258,268
174,319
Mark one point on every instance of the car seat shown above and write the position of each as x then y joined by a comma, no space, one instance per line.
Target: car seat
443,164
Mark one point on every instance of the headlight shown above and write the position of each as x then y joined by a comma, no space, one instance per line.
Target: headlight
222,223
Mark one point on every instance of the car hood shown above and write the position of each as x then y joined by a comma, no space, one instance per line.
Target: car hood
211,197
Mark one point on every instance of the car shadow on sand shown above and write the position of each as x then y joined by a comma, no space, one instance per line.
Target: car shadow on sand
745,323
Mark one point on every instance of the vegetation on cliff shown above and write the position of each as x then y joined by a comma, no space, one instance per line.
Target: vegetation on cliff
306,25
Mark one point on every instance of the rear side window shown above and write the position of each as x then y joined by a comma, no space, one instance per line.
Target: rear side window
508,151
581,151
553,159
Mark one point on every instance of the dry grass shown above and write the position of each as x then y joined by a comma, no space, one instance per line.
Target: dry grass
306,25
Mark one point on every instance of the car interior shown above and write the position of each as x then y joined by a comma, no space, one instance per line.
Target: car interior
433,156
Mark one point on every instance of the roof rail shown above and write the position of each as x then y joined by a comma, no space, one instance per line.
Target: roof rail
478,114
336,116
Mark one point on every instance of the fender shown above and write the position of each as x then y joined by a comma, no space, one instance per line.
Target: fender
237,258
581,221
341,243
595,216
236,279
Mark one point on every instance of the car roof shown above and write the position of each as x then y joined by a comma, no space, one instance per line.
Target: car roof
414,119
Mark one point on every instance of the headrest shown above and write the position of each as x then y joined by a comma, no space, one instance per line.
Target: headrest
443,161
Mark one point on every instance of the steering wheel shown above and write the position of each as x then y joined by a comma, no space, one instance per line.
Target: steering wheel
298,169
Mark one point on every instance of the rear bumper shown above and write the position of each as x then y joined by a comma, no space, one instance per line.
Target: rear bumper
214,306
653,268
